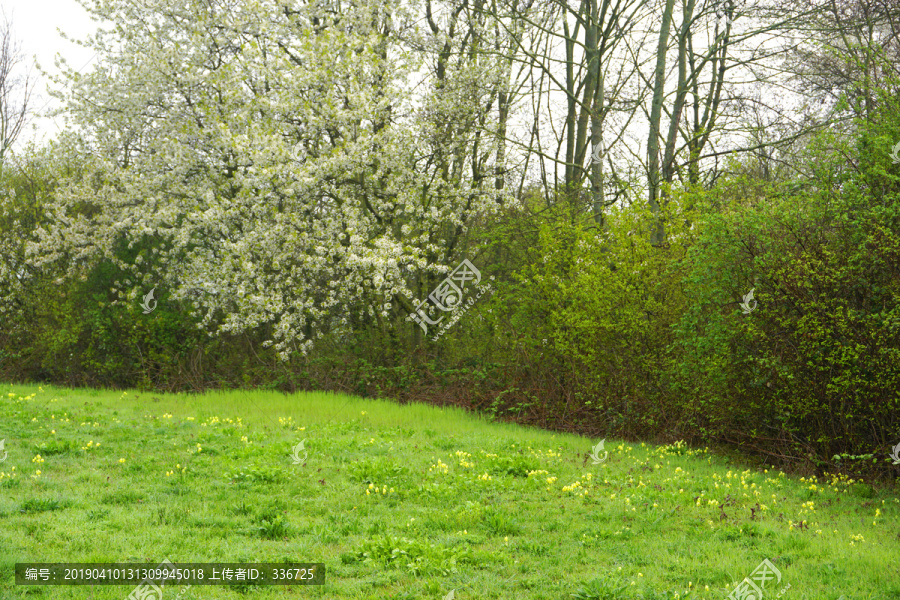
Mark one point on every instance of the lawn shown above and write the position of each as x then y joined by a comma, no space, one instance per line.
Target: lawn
413,502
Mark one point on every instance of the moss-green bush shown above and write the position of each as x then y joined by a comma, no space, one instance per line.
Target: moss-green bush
813,370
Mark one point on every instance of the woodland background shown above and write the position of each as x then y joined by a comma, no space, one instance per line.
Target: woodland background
293,178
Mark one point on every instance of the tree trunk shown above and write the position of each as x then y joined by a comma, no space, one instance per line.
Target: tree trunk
657,235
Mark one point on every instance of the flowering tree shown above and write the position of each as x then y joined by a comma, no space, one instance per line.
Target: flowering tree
268,162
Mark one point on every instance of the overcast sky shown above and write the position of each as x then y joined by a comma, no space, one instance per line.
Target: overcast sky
36,25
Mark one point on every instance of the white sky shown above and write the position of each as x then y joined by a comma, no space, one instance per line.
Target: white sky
36,25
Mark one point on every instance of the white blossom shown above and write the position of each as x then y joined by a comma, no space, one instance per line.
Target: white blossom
241,144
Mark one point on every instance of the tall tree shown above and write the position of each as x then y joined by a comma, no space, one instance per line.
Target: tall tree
16,88
263,162
723,49
850,51
587,39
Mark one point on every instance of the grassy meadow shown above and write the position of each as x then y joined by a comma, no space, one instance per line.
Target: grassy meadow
413,502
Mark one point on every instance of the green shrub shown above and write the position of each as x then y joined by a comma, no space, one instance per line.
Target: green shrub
813,370
594,314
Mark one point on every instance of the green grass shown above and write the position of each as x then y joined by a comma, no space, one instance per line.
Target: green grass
412,502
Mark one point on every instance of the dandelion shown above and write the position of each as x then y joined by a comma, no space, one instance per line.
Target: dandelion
121,460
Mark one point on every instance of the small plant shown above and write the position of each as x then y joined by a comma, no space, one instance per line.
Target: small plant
600,589
862,490
36,505
516,466
272,511
500,524
377,472
55,447
534,548
275,528
416,557
242,508
97,514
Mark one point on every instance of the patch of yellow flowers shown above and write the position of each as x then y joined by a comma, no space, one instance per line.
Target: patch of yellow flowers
177,467
227,421
440,467
9,475
373,489
577,487
462,456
